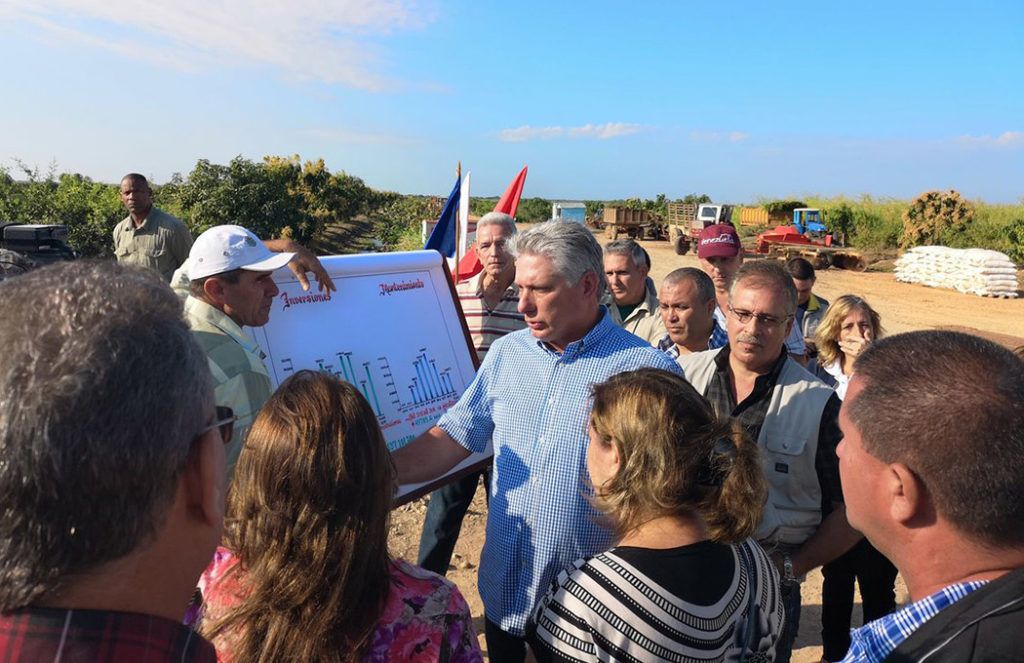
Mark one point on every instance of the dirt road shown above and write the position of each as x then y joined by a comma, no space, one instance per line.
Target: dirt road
903,307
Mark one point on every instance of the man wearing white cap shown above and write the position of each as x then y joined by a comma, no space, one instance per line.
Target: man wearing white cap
230,287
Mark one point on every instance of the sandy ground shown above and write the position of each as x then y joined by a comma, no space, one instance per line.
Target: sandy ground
903,307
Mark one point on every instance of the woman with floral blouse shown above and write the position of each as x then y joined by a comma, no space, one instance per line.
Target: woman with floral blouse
305,573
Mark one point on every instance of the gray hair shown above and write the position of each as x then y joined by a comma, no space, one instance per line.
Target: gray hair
102,390
627,247
705,286
769,274
497,219
569,246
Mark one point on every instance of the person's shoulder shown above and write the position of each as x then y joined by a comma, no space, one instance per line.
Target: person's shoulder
417,581
803,374
694,358
639,351
169,219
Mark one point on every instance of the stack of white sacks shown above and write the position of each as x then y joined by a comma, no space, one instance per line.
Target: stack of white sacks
973,271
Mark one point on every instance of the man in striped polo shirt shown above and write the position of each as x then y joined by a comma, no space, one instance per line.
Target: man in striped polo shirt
489,303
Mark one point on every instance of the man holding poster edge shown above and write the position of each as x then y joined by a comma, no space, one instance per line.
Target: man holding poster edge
531,398
230,286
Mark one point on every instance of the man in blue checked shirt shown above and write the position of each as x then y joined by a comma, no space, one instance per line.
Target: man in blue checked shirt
931,465
531,398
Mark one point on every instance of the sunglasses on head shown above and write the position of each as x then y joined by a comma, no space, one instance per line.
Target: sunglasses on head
224,419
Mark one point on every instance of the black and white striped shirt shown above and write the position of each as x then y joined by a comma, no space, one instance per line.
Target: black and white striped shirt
637,604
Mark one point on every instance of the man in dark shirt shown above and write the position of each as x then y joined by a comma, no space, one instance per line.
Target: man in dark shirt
112,472
792,416
931,466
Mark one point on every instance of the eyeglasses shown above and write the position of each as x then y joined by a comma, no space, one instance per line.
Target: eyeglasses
767,320
225,421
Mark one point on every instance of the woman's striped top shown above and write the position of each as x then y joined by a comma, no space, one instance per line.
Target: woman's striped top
638,604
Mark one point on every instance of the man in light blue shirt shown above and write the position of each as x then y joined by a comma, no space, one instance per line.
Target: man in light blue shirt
531,399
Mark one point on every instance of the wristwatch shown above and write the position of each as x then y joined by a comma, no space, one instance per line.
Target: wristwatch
787,568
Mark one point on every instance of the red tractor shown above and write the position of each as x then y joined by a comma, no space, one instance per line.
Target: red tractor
808,238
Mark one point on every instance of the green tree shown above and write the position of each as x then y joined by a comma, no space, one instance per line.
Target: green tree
90,210
532,210
265,197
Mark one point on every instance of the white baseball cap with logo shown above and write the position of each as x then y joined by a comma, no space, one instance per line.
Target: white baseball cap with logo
226,248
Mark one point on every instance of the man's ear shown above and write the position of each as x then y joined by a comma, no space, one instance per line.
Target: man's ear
589,281
213,288
205,481
907,494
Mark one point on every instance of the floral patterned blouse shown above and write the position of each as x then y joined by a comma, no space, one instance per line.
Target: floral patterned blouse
421,610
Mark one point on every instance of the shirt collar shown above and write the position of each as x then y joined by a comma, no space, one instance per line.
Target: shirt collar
873,642
145,222
603,327
813,304
477,284
217,318
722,364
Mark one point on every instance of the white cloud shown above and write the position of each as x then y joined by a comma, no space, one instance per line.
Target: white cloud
718,136
1007,139
598,131
324,40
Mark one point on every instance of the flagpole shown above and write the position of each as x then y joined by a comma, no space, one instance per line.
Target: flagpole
458,176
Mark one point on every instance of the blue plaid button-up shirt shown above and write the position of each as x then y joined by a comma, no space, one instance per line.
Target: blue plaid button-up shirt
667,346
873,642
534,404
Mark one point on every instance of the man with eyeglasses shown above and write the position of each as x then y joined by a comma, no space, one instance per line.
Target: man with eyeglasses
112,472
793,417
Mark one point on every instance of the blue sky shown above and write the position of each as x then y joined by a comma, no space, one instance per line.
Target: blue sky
601,99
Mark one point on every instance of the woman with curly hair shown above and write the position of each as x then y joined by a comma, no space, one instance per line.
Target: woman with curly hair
305,573
683,492
849,326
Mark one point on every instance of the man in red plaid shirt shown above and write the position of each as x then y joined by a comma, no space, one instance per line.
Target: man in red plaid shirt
111,468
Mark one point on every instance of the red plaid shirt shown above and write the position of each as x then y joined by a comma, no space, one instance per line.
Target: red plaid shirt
96,636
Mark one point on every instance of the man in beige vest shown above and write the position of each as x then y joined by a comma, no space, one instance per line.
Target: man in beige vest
794,419
631,299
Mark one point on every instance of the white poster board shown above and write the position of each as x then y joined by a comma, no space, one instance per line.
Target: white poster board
392,328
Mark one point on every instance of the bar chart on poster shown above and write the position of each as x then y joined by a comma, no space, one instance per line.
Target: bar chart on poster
392,329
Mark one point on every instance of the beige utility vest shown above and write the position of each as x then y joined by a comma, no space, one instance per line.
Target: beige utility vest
788,443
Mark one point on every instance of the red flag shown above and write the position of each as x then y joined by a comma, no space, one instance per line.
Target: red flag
470,266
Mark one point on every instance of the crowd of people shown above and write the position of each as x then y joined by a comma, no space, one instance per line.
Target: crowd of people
669,462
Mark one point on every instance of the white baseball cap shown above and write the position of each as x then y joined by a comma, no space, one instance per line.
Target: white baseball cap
226,248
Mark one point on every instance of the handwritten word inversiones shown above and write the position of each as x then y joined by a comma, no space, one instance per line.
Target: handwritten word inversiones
388,288
289,300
